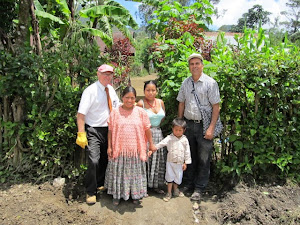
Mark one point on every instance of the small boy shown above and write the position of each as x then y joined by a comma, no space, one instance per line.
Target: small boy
178,156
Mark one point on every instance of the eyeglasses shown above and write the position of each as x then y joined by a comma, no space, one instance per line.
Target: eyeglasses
108,74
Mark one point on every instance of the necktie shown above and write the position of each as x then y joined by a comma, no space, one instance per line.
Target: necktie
108,99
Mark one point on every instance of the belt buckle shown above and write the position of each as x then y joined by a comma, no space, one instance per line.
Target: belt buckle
197,121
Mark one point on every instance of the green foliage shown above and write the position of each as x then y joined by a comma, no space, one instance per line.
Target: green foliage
8,13
181,33
259,85
170,61
200,12
99,20
49,87
141,64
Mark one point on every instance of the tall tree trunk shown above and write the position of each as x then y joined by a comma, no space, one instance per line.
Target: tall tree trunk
18,114
71,8
23,23
5,118
35,26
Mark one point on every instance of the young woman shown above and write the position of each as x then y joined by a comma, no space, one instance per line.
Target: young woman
128,132
155,109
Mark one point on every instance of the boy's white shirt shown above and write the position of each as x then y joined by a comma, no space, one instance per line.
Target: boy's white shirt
178,149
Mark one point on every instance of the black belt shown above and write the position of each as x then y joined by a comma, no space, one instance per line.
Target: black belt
194,121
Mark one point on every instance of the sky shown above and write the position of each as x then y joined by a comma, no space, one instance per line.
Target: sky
234,10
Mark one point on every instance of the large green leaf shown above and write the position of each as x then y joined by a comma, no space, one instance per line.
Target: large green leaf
100,10
64,7
95,32
38,5
46,15
105,25
123,28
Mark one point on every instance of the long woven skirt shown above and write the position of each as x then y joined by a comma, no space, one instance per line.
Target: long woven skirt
126,177
156,165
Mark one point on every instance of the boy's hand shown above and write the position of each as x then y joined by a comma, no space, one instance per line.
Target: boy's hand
149,153
184,167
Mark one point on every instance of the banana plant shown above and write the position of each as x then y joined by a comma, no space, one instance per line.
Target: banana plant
97,20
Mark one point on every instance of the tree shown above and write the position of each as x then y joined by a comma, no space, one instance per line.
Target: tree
252,18
225,28
293,16
276,33
148,7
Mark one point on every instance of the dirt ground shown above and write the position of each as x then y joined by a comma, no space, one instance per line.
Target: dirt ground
46,204
138,83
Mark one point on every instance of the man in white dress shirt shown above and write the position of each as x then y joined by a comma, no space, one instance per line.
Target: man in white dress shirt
92,116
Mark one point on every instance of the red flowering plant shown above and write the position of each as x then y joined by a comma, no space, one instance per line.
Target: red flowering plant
120,56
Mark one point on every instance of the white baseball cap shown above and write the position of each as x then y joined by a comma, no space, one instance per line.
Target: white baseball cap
195,55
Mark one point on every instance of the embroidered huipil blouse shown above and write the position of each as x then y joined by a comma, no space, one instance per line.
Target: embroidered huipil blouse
128,132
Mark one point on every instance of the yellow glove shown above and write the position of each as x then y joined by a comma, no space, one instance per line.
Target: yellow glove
81,139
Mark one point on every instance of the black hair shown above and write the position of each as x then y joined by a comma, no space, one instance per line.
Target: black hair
150,82
127,90
179,122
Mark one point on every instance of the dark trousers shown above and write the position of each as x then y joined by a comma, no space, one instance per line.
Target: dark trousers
97,158
197,173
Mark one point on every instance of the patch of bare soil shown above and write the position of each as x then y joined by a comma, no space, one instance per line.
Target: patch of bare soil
45,204
138,83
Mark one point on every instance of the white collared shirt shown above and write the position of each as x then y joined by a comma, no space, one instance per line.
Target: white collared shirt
178,149
93,104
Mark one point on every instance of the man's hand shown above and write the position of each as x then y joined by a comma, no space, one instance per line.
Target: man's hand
184,166
81,139
209,135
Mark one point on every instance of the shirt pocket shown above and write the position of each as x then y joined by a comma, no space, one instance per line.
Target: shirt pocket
202,94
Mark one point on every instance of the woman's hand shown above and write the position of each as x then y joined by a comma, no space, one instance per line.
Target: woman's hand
109,152
152,147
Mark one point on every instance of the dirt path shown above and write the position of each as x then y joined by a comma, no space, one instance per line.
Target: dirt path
138,83
45,204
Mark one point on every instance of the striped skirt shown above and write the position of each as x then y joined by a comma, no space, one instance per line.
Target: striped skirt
156,165
126,177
